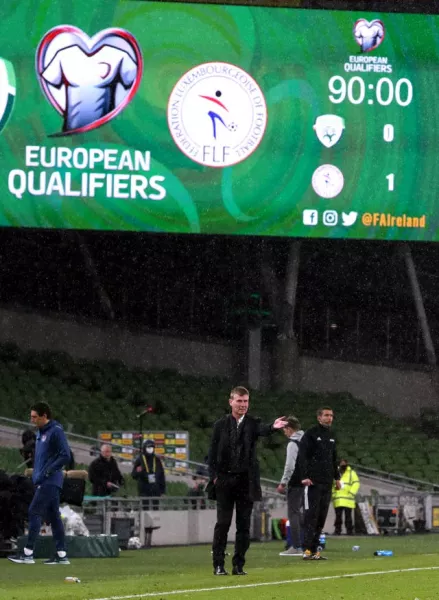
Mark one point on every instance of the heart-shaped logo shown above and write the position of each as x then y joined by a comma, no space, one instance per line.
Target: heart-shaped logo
369,34
89,81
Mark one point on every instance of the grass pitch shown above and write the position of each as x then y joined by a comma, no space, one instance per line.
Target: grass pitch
186,572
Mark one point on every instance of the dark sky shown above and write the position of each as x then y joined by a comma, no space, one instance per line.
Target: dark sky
201,285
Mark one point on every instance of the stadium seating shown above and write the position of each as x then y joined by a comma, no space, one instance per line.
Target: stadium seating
102,396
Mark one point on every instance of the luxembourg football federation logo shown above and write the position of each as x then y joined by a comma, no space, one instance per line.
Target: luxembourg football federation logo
7,91
369,34
217,114
329,129
89,81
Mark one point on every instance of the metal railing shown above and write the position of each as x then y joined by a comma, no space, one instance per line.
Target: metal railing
408,483
134,504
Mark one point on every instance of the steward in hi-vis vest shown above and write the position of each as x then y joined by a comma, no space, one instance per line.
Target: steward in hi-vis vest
344,498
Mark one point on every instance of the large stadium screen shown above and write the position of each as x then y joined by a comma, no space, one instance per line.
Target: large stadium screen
216,119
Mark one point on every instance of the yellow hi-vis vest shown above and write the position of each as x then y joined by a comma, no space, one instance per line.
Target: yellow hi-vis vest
346,496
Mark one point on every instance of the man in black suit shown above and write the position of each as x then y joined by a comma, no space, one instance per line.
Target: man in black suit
234,476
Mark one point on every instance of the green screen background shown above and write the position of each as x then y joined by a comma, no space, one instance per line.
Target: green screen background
292,54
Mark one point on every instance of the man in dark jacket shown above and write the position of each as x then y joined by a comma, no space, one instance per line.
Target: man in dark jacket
234,477
52,453
16,493
104,473
318,468
148,471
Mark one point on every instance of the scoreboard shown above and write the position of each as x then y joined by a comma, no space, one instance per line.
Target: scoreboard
171,446
218,119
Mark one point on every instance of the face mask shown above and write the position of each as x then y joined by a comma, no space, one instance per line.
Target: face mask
343,468
150,450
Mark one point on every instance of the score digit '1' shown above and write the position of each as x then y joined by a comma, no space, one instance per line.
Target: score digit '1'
391,179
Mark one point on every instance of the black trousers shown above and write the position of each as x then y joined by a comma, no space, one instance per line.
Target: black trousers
232,491
347,519
294,504
317,501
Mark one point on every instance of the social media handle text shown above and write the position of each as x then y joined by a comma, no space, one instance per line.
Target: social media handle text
389,220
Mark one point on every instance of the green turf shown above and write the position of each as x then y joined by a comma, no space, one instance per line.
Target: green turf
161,570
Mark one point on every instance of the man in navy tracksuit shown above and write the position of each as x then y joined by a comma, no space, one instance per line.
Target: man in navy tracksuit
52,453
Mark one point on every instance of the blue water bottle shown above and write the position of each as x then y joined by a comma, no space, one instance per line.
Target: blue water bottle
322,542
383,553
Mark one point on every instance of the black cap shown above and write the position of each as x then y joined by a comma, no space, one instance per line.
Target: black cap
149,444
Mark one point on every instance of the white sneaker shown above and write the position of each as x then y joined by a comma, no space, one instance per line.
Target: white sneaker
292,552
22,559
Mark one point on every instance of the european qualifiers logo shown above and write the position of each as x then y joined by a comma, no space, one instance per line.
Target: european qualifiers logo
89,81
217,114
369,35
7,91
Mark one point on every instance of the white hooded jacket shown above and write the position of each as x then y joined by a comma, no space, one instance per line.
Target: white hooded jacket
292,452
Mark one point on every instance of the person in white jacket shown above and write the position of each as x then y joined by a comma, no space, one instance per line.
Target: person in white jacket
291,482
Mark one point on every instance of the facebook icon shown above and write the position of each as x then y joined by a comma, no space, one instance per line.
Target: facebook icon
310,217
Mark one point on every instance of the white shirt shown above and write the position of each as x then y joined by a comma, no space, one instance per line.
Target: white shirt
91,82
369,36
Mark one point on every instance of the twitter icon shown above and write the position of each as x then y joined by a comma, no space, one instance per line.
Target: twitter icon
348,219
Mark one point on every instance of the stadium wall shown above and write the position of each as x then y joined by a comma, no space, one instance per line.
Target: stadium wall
396,392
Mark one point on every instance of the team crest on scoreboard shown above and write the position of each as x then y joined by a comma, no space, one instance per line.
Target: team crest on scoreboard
7,91
329,129
217,114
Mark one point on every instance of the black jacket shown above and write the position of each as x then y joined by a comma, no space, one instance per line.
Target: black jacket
70,466
28,453
317,457
219,452
144,487
100,472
